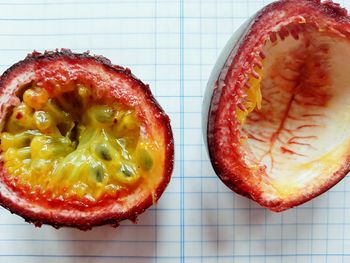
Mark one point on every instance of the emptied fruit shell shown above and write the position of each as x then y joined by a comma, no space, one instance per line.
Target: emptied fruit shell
276,111
84,143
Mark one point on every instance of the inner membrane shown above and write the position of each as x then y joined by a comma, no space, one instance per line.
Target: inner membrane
301,132
71,147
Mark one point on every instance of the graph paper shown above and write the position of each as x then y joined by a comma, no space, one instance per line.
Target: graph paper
171,45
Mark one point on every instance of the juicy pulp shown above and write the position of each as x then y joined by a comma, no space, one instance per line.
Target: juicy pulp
70,147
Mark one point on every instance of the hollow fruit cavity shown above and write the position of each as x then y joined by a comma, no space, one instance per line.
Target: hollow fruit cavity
298,127
70,147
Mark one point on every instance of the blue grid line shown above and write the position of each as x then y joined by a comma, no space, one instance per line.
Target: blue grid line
165,241
182,124
175,257
116,2
48,19
201,153
136,33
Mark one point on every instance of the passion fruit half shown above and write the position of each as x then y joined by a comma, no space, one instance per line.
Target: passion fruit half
83,142
278,104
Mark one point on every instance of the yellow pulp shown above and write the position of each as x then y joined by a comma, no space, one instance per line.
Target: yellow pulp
253,99
84,151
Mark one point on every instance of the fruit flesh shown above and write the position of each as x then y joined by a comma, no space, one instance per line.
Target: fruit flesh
61,73
301,131
68,147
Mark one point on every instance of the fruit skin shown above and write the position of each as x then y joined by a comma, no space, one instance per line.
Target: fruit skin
220,126
106,213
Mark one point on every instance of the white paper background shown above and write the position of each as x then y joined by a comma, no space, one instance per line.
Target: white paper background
172,45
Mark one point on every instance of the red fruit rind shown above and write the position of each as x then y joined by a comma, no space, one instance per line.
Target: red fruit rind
114,83
239,64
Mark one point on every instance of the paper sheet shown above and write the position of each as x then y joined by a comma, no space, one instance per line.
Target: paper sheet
172,45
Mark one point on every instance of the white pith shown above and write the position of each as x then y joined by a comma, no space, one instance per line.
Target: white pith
289,174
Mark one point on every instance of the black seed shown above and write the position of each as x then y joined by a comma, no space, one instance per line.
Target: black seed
26,141
145,160
127,170
103,152
99,174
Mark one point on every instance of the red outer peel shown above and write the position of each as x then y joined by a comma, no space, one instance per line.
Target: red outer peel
116,83
226,92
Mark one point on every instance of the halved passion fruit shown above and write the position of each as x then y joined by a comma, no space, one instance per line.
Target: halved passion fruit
278,123
83,142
